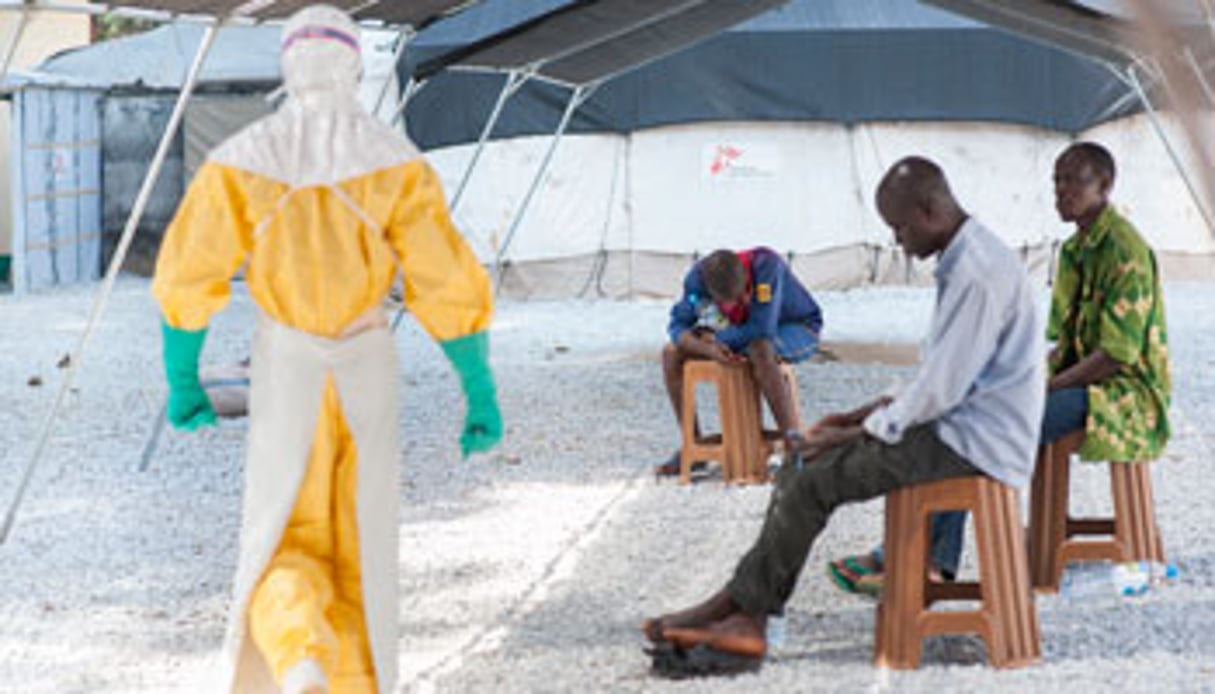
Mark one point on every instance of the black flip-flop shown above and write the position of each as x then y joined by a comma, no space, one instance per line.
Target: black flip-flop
671,467
670,661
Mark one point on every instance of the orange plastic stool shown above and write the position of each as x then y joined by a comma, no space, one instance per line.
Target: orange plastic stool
743,446
1133,532
1007,619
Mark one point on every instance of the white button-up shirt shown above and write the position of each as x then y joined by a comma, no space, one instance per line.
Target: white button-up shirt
982,375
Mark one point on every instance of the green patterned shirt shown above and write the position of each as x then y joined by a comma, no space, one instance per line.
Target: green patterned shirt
1107,296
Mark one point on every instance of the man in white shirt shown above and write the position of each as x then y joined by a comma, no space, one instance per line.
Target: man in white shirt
973,407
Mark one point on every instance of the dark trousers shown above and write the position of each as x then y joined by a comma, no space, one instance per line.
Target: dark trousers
806,494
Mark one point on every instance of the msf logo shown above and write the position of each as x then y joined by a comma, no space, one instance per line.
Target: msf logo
724,158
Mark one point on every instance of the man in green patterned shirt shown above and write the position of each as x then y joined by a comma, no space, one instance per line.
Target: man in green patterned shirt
1109,370
1110,366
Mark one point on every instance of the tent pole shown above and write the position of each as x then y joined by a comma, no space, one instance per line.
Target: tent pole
628,212
14,39
579,97
107,286
1132,78
17,272
406,37
411,87
1201,78
514,80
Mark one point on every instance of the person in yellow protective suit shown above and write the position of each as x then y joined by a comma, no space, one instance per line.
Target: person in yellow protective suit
323,203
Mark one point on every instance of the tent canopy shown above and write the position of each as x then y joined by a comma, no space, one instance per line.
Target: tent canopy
584,42
1068,25
160,58
415,13
1099,29
819,60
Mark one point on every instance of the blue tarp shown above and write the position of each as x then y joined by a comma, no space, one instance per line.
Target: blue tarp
819,60
160,58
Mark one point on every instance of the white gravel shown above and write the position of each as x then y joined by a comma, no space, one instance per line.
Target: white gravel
528,569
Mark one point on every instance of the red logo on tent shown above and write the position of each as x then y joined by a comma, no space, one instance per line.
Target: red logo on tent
723,158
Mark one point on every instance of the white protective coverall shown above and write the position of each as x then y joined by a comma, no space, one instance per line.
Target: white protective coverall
324,203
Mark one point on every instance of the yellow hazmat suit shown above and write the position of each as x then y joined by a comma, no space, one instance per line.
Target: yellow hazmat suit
322,203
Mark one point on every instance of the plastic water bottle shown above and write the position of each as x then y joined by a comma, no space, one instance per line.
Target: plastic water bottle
776,631
1096,581
1159,573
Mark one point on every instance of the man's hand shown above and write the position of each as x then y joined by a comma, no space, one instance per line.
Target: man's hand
1094,368
852,418
838,419
705,344
823,437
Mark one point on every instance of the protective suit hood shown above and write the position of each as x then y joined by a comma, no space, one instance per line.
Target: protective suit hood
320,54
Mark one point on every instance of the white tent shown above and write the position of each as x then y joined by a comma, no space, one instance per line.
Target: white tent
627,213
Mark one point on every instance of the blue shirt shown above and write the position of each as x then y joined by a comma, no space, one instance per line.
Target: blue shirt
777,297
982,376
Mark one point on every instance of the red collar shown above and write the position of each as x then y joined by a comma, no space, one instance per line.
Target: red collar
739,313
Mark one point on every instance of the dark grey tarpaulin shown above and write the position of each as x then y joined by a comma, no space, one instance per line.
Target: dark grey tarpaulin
590,40
1100,30
818,60
1069,25
416,13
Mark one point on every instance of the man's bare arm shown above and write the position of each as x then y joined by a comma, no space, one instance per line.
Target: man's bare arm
1094,368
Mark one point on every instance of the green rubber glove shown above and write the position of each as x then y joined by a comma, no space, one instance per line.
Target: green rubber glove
189,407
483,422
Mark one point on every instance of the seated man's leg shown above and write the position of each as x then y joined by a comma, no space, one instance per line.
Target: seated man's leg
803,500
1066,411
765,366
673,359
948,535
794,342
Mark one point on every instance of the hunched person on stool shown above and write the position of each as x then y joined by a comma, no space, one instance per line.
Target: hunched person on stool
744,308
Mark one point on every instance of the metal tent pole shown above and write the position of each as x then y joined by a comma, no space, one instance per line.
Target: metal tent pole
17,272
1132,78
579,97
514,81
14,39
1201,78
107,287
403,41
412,87
628,214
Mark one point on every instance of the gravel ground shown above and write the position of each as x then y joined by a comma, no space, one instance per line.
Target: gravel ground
528,569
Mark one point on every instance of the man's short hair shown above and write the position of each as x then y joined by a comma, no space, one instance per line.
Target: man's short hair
1095,156
724,275
914,180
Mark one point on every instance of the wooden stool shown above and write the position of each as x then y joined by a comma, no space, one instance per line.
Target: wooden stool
1135,535
743,446
1007,620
